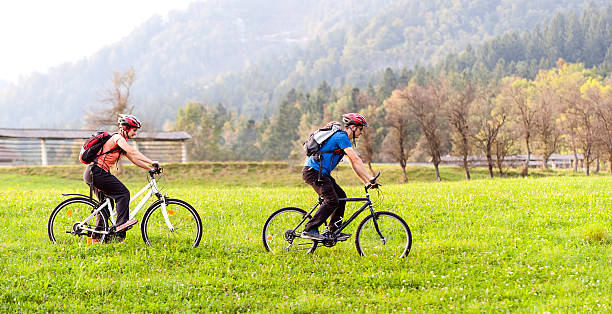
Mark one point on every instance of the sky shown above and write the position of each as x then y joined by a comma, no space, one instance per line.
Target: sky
36,35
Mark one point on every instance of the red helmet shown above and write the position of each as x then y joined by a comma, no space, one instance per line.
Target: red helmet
354,119
128,121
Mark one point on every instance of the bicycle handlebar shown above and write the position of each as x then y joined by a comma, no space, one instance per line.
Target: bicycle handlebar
157,170
372,184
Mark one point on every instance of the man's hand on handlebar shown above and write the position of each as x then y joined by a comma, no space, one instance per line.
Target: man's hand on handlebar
373,183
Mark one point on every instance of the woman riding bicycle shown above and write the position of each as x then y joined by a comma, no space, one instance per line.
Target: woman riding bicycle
326,187
98,175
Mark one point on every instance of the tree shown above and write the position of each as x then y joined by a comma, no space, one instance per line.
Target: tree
244,143
585,112
547,120
519,95
503,146
282,130
370,139
205,124
570,77
603,114
389,83
425,105
116,100
489,117
402,132
459,110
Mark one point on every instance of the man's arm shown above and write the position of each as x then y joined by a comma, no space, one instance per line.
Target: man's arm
358,166
134,155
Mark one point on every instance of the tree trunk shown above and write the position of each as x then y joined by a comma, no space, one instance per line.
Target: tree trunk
403,165
586,163
525,171
610,163
545,159
437,171
465,166
597,165
500,162
575,153
372,170
490,163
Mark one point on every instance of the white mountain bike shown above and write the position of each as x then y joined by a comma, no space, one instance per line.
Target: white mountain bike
167,222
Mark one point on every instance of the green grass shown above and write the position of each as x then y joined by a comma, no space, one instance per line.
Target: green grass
541,244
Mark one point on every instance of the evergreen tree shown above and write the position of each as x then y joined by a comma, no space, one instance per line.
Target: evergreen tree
388,84
282,130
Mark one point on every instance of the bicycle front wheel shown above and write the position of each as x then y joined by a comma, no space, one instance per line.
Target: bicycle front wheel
183,227
67,223
278,233
384,235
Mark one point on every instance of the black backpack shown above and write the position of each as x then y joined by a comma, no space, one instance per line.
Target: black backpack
312,147
93,145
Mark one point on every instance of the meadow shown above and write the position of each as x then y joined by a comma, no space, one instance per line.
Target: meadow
536,244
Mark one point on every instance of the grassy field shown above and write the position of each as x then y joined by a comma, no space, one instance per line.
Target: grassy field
540,244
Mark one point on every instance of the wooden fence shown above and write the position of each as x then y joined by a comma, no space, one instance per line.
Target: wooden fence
556,161
61,147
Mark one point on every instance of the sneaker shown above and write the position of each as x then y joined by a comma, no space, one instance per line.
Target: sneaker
343,236
126,225
312,234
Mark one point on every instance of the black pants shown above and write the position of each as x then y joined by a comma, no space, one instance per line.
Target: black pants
113,188
330,192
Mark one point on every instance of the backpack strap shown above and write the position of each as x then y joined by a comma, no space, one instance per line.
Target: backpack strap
108,152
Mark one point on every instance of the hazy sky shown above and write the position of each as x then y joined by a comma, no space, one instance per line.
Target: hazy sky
38,34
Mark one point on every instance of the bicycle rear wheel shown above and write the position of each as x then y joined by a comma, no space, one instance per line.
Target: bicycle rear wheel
394,239
278,235
66,224
185,228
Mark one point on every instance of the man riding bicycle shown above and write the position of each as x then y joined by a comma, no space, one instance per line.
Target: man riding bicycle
97,174
332,151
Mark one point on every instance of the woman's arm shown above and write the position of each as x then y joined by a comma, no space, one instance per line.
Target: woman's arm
135,156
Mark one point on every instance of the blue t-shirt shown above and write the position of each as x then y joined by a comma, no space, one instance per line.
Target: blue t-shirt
329,161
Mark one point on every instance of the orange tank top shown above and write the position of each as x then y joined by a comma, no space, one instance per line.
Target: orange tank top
106,161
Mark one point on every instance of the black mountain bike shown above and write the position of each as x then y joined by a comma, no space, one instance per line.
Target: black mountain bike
380,234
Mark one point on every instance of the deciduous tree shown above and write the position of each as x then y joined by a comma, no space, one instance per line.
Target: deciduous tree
116,100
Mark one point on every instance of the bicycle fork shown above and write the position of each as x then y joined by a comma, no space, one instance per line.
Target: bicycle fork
374,219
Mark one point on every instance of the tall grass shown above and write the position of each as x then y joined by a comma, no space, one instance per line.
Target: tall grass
536,244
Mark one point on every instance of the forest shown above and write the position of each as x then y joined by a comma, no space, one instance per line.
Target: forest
248,55
542,91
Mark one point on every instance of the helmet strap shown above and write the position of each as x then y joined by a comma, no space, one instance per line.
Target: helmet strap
353,134
124,132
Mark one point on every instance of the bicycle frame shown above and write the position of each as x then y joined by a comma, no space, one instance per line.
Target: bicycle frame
152,189
368,203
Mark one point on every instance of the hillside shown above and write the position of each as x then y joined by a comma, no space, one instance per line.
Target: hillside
247,54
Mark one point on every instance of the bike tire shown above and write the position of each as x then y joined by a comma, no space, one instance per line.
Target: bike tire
60,226
184,218
278,236
397,235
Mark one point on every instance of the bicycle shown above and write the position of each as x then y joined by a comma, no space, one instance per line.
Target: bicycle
166,222
380,234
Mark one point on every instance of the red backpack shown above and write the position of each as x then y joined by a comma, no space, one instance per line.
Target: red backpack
93,145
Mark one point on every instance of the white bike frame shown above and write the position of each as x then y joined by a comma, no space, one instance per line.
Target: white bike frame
151,187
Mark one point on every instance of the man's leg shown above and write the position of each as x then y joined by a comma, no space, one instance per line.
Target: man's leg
327,192
335,220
